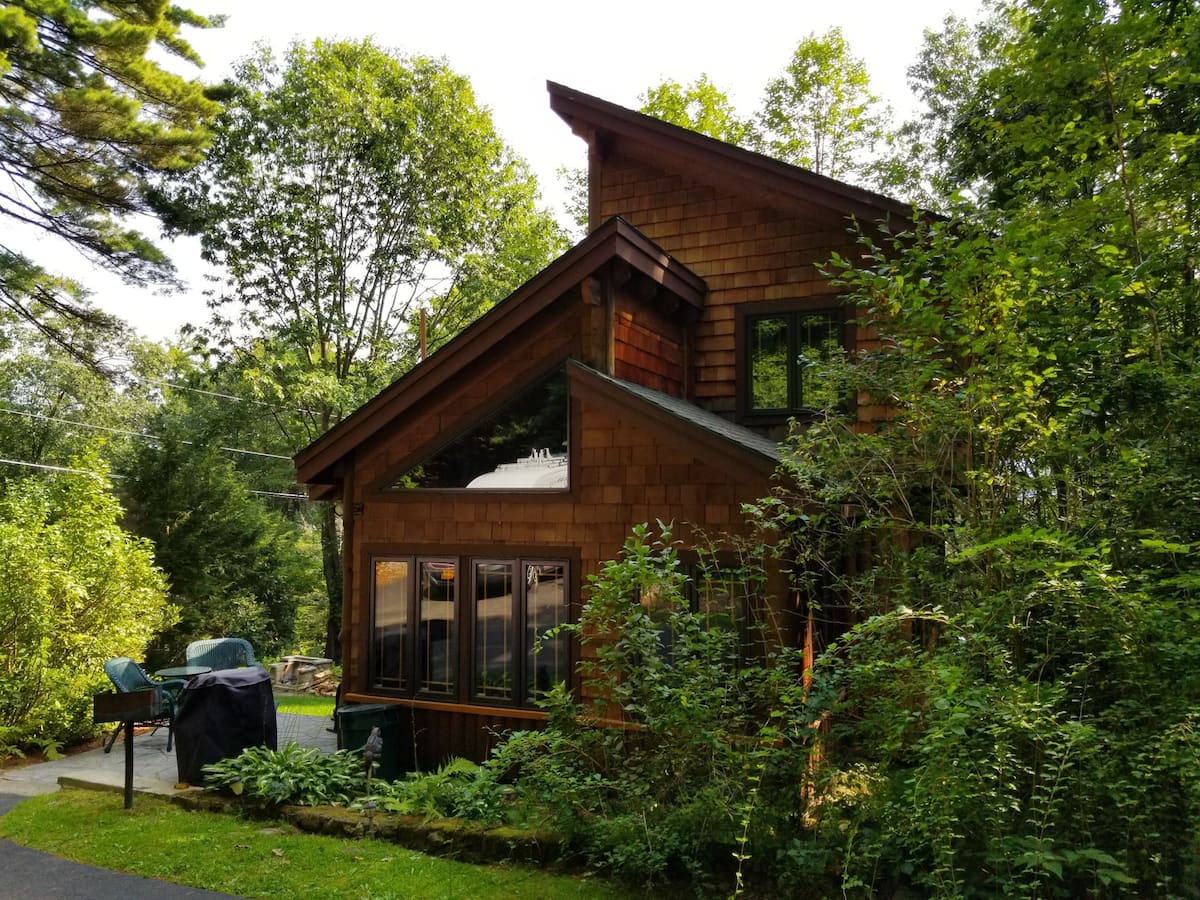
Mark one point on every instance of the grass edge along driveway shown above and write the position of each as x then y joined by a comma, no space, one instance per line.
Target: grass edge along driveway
157,839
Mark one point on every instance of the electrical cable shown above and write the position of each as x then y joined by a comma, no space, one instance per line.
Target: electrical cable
67,469
137,434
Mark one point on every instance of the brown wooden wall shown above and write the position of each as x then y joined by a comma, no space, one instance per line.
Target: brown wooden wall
747,252
626,468
441,733
648,346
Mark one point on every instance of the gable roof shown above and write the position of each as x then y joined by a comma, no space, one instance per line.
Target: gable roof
652,139
703,428
615,239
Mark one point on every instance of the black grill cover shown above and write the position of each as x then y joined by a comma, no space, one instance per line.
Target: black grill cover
221,714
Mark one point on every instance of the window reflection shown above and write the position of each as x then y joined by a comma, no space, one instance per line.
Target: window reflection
435,648
391,621
494,660
545,608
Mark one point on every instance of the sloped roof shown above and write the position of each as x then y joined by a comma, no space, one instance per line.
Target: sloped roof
654,140
696,428
615,239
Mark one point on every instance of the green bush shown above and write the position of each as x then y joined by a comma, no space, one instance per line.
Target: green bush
75,590
304,777
459,788
707,760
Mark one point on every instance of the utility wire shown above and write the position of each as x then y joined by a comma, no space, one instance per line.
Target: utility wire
33,465
162,382
137,434
218,394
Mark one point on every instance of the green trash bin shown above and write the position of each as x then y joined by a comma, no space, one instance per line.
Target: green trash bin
354,724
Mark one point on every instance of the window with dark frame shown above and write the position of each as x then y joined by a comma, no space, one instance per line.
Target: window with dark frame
782,357
514,605
721,596
521,446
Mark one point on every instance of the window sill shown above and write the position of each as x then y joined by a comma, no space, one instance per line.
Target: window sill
507,712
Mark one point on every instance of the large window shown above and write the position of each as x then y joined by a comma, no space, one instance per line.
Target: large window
782,357
522,446
495,642
414,590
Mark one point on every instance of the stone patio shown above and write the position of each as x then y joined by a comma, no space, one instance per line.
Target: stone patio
154,769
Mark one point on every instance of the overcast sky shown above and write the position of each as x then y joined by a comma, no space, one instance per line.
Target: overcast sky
509,50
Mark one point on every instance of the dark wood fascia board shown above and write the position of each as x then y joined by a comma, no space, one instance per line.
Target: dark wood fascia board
584,386
322,491
615,238
593,117
651,260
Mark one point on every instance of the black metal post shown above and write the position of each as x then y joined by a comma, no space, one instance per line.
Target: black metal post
129,764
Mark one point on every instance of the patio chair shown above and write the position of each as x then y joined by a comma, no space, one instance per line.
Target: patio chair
221,653
126,676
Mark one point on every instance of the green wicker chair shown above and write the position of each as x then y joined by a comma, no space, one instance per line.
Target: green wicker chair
220,653
126,676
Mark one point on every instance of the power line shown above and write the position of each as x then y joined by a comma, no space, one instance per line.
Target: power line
218,394
137,434
33,465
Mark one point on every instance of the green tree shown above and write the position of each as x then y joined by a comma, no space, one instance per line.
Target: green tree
820,113
700,106
236,568
88,122
75,590
1014,712
346,190
53,406
919,160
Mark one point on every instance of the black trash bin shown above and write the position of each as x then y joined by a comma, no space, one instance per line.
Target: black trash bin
354,724
219,715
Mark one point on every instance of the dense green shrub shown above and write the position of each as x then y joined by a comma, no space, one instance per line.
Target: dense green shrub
690,758
305,777
236,567
75,590
458,788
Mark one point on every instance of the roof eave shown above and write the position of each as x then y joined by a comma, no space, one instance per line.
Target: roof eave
614,239
717,447
584,113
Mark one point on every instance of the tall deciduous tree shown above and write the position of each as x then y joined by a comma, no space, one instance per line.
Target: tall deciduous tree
75,590
88,120
1021,693
820,113
346,190
700,106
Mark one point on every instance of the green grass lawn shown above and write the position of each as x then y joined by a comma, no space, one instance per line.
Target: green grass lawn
305,704
260,859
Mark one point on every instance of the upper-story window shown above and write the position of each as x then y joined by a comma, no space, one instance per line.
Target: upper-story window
782,353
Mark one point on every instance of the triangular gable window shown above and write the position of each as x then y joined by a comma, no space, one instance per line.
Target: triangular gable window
520,447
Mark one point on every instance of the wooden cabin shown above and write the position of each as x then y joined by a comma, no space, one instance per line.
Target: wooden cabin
645,374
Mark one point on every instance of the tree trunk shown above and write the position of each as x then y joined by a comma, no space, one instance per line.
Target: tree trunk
331,562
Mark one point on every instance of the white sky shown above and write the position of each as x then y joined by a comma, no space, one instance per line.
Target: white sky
614,50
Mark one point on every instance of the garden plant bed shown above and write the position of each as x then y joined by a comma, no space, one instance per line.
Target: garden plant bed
466,841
